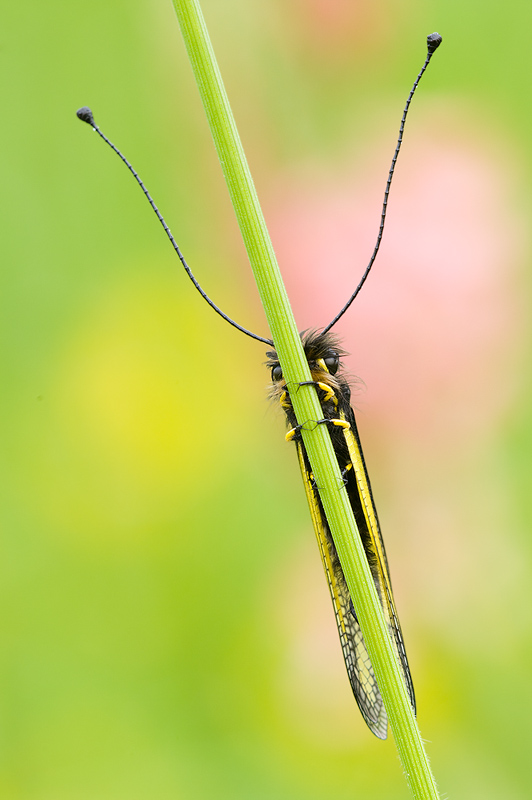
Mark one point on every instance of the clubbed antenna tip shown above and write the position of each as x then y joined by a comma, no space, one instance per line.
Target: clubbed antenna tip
85,115
433,42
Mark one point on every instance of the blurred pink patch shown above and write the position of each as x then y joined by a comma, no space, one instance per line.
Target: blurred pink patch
333,24
435,332
331,16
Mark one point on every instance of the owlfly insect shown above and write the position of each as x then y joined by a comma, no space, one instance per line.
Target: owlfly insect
324,356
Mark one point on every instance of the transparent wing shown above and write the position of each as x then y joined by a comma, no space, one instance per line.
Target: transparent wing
356,656
374,546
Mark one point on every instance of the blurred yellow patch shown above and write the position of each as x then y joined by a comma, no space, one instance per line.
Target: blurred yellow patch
144,410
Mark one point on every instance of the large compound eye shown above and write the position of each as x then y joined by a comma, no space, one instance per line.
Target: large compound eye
332,362
277,373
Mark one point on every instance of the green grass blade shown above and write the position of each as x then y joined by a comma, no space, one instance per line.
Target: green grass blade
305,401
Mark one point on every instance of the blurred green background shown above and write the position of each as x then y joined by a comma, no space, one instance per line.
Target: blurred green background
166,627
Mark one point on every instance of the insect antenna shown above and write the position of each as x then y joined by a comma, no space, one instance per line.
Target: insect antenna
86,115
433,42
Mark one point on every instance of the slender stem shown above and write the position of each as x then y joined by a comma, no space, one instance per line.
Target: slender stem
305,402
